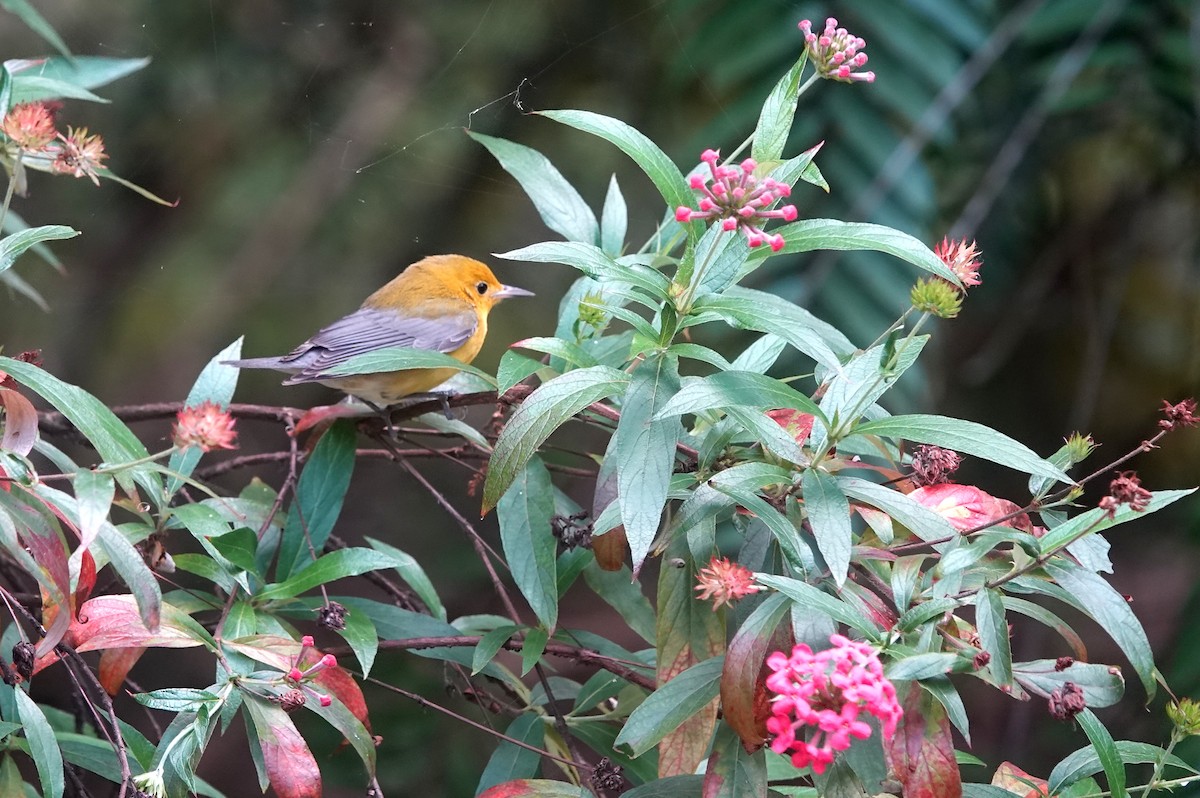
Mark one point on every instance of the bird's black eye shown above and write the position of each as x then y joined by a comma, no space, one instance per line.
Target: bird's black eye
481,287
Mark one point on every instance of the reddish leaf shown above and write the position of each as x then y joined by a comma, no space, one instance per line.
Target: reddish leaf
341,686
115,665
46,560
688,632
87,578
114,622
798,425
744,699
20,423
290,766
967,507
921,752
869,603
329,413
610,547
275,651
1015,780
533,788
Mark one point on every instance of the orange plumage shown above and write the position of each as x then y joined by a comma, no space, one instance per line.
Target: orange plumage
440,303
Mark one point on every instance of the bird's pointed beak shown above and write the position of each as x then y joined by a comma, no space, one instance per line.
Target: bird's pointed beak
511,290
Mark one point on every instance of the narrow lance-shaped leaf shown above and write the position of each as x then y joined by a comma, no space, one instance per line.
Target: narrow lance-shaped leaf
738,388
289,763
319,494
556,200
530,548
542,412
992,623
1106,752
967,437
644,447
645,153
614,220
829,515
216,383
42,745
671,705
11,247
733,770
595,263
775,119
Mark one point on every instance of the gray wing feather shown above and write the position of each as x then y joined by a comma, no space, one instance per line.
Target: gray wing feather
368,330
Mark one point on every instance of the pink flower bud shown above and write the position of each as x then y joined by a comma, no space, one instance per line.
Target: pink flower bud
295,675
728,224
325,700
710,156
776,242
329,661
749,165
789,213
696,182
683,214
306,641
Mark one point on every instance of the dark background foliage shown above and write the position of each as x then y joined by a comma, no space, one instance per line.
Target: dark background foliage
316,148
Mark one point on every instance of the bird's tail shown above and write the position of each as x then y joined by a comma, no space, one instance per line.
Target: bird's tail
276,363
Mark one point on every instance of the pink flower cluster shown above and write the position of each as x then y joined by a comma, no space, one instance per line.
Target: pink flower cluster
739,199
828,691
725,582
835,52
962,258
30,128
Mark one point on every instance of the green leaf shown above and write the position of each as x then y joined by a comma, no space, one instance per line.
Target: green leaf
1106,752
775,119
556,200
671,704
1109,609
530,548
748,309
532,648
829,515
36,23
868,375
32,88
569,351
673,787
942,689
216,383
595,263
514,367
923,522
738,388
334,565
645,153
1085,762
644,448
240,547
992,623
320,492
13,246
967,437
42,745
542,412
1097,520
402,358
782,528
811,598
922,666
414,575
614,220
619,590
114,441
1102,685
88,71
807,235
510,761
732,771
489,645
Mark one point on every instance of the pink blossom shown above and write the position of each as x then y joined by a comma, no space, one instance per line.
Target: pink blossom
205,425
739,199
962,258
828,691
725,582
835,52
29,125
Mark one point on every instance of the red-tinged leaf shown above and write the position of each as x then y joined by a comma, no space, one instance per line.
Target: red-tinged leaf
868,602
797,424
921,752
744,698
20,423
323,413
87,578
534,788
1015,780
114,622
44,554
115,665
289,764
968,507
688,632
273,651
341,686
610,547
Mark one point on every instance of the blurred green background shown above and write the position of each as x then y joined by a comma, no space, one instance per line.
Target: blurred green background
318,147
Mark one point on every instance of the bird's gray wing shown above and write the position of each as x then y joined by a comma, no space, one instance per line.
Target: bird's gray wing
369,330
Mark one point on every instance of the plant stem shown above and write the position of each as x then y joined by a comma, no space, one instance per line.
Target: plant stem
12,187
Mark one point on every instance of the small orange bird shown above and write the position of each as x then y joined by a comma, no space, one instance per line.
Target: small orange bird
439,303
